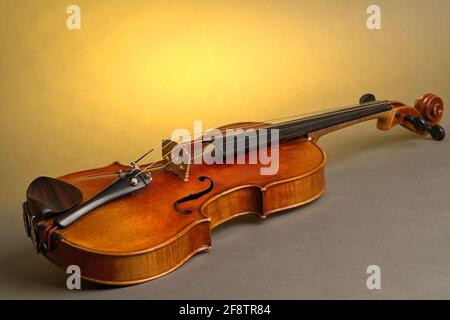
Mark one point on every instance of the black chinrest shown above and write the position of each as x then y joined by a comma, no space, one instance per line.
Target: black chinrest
48,196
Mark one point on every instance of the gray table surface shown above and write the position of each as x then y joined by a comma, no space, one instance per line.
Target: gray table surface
387,204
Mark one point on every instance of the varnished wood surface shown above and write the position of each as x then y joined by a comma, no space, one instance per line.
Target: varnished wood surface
375,211
142,236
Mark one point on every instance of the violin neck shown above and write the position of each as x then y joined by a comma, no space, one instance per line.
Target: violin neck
331,121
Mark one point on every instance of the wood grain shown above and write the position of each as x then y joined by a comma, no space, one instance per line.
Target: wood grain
141,236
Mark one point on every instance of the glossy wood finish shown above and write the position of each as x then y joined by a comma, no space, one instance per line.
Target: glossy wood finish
141,236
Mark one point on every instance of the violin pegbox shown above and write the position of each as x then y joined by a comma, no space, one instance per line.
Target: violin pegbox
424,117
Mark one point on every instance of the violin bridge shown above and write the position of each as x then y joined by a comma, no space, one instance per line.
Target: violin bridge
178,165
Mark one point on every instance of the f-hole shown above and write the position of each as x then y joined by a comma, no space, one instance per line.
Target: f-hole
194,196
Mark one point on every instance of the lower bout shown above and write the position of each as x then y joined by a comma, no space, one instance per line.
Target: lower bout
134,268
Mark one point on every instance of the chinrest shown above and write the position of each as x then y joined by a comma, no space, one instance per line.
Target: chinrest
48,196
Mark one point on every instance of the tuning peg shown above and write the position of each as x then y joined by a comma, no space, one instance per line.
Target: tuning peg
366,98
419,123
436,132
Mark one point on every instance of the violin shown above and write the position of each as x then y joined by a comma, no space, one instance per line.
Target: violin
127,224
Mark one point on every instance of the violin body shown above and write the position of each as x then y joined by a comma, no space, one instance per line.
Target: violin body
154,229
138,238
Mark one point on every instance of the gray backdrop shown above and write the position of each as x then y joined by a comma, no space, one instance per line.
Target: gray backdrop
387,204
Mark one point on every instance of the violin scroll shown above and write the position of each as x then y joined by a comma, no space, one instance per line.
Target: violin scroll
423,118
431,107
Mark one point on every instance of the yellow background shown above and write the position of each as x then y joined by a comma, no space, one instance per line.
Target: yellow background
72,100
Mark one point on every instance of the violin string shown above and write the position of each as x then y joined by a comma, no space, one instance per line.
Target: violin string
153,163
284,123
147,153
147,168
339,110
345,109
312,115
